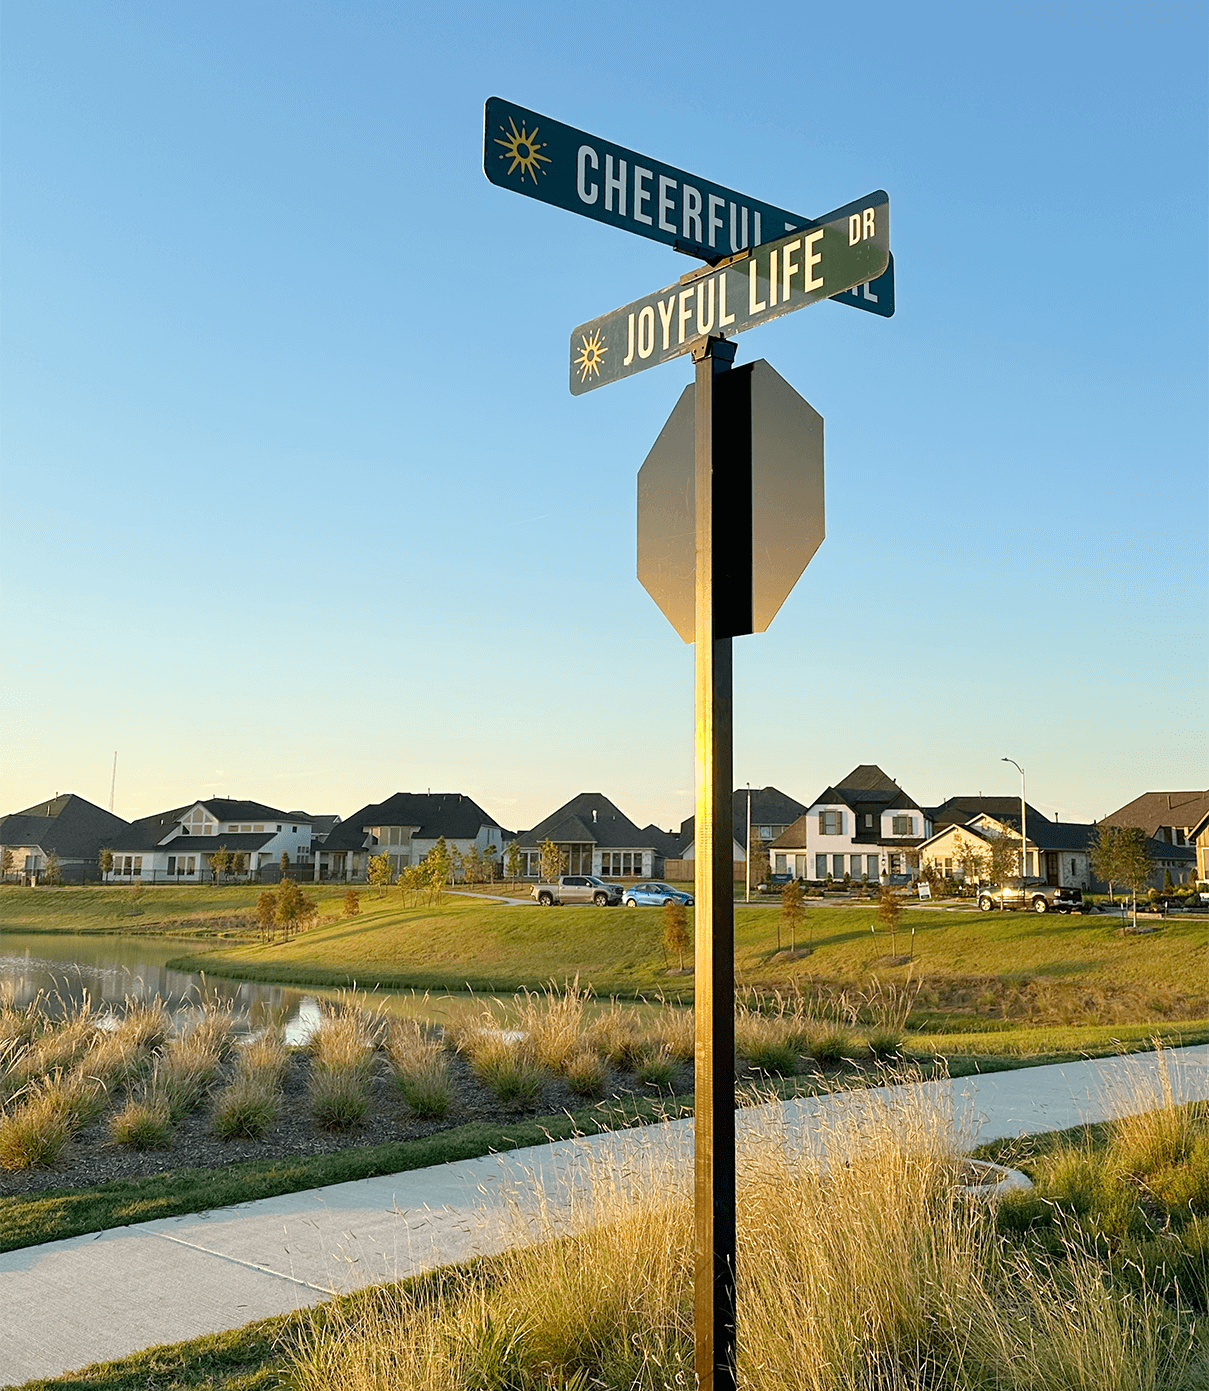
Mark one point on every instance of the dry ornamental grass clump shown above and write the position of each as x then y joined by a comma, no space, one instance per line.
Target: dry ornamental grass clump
342,1060
862,1267
421,1068
249,1104
142,1125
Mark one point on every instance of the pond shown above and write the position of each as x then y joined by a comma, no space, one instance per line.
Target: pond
66,967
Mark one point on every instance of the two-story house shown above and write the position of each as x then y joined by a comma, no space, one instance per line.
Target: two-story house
405,827
176,845
865,827
1170,819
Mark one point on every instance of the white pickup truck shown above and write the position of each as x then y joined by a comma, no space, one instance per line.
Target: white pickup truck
578,888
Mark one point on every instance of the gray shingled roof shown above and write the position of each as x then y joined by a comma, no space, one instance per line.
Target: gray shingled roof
769,806
1154,809
69,825
573,822
450,814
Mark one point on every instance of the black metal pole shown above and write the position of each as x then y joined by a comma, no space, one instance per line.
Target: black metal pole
714,1159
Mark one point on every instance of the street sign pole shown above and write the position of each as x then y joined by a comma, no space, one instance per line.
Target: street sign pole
714,1155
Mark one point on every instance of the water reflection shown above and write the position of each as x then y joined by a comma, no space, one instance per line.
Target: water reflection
64,968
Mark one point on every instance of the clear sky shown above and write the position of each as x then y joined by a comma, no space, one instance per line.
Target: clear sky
297,504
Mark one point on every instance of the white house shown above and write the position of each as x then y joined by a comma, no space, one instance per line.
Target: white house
174,846
865,827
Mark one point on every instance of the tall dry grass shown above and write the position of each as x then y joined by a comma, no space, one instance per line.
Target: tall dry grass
249,1103
342,1060
421,1068
862,1267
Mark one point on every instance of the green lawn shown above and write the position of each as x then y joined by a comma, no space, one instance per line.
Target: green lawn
618,950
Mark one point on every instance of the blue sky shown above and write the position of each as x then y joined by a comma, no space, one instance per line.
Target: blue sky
297,505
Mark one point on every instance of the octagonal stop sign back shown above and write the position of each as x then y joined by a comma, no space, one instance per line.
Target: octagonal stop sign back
768,502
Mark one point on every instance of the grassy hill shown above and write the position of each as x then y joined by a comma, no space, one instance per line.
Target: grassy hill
467,942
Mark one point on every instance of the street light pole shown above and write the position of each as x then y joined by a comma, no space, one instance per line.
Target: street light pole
1023,823
748,855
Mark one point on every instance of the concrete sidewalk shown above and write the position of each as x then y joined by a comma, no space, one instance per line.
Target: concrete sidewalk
91,1298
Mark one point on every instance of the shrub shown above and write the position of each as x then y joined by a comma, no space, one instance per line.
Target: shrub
142,1125
830,1045
352,903
885,1043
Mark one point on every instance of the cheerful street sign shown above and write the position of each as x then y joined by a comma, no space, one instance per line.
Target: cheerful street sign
571,169
768,502
848,247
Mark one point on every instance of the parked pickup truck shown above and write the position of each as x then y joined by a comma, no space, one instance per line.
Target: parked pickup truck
1029,893
578,888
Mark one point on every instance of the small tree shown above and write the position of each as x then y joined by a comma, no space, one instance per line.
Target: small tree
1121,855
51,868
1005,857
293,907
284,863
377,872
412,881
239,862
438,868
491,861
793,911
552,860
219,862
1168,882
352,903
266,912
472,863
104,861
675,929
457,863
973,860
758,851
7,859
512,862
887,915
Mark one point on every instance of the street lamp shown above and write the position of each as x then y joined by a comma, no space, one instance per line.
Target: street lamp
1023,823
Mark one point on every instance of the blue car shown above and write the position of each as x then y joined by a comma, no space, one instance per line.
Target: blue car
652,894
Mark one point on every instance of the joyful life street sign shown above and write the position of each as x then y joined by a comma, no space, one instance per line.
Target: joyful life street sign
568,168
848,247
768,502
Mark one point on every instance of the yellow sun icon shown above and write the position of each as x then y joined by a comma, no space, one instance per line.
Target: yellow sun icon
590,356
522,146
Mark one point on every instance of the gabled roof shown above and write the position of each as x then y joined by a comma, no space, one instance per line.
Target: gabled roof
207,845
769,805
233,809
958,811
1154,809
866,787
1042,833
449,814
669,844
589,819
70,826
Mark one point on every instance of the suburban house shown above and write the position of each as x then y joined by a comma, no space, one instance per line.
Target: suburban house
595,837
1200,843
1057,851
772,814
68,827
175,845
405,827
1171,820
865,826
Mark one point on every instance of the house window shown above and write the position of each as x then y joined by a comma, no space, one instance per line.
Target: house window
138,865
820,866
766,833
948,868
871,861
896,864
837,866
780,869
1072,867
902,826
831,823
868,821
857,862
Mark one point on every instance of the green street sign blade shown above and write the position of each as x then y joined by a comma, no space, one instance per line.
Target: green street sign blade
850,246
568,168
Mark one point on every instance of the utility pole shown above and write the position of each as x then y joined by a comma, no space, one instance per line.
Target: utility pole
113,781
748,856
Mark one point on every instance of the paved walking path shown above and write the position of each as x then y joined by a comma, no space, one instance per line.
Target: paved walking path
67,1303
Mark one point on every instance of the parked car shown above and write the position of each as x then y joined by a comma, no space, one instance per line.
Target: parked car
1029,893
578,888
653,893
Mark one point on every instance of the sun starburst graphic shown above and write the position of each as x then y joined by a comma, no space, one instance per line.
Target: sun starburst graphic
590,356
522,146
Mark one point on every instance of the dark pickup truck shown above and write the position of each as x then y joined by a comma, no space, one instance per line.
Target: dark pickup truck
1029,893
